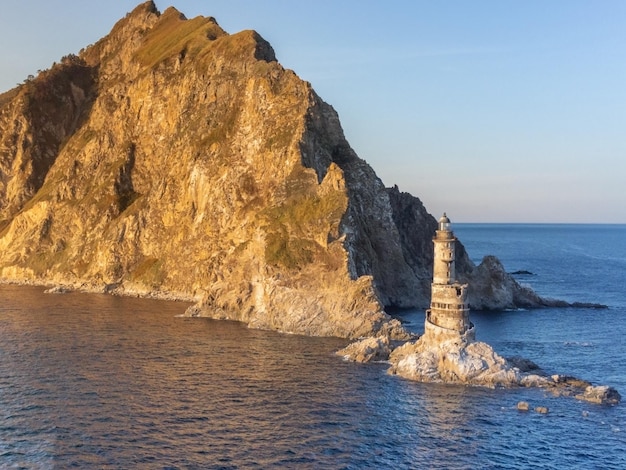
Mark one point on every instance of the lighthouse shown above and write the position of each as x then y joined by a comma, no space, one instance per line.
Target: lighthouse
448,315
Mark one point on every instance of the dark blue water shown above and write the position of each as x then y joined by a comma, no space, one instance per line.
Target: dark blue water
92,381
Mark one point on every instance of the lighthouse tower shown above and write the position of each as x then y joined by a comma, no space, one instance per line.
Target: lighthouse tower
448,316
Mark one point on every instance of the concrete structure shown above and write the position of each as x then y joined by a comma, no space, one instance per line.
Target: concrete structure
448,316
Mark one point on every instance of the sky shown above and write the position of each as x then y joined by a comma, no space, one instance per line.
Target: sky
492,111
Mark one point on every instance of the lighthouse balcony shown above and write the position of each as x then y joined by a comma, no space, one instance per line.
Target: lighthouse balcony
453,293
445,306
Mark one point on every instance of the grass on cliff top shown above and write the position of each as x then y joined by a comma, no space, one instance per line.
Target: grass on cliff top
174,35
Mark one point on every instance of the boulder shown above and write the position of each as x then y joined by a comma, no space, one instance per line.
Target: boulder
523,364
367,350
600,394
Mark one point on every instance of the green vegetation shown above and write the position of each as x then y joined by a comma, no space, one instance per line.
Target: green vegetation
45,260
173,35
236,47
149,272
303,207
292,226
220,131
280,250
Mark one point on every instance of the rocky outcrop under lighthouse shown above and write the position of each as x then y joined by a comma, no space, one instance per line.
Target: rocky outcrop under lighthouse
474,363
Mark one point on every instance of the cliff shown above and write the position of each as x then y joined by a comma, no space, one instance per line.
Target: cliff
173,159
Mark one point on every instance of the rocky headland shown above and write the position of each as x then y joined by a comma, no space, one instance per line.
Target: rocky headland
174,160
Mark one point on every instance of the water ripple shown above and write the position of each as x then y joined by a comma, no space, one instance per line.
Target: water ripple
100,382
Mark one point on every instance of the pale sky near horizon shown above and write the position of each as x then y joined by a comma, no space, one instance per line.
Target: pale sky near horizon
493,111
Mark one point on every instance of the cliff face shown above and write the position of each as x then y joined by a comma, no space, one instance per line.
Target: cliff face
171,157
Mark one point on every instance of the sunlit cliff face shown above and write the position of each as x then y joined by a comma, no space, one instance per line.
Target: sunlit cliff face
173,159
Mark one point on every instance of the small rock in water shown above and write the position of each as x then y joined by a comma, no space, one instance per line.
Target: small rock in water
542,410
522,272
367,350
57,290
523,406
600,394
523,364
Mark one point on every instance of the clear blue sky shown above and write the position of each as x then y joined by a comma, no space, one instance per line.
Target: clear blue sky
494,111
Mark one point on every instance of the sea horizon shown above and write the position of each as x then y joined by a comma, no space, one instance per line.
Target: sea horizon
119,382
544,223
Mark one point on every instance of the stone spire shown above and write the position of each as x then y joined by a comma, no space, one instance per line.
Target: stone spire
448,316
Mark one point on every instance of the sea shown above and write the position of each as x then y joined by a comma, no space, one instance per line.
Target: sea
102,382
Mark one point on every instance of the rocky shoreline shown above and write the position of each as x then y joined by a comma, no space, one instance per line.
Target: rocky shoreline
101,288
463,362
473,363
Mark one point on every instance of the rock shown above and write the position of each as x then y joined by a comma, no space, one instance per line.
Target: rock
563,304
523,406
569,381
492,288
470,363
522,272
523,364
600,394
534,380
476,363
171,159
588,305
367,350
542,409
57,290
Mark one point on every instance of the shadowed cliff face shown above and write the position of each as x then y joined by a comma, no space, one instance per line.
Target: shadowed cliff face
172,158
